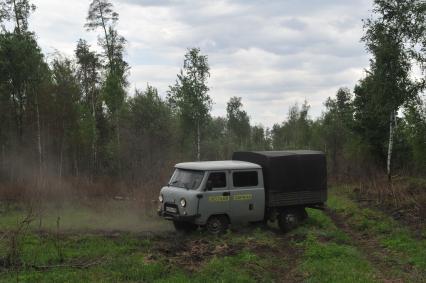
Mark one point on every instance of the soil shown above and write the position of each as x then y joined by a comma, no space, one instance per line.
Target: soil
290,257
191,255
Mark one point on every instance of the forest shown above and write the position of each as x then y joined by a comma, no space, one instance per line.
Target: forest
75,120
71,127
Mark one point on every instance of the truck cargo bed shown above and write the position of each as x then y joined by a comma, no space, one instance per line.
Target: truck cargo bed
297,177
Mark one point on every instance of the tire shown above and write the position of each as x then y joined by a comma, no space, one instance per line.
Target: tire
289,219
185,227
217,224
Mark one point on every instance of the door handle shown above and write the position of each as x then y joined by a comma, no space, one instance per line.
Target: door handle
226,194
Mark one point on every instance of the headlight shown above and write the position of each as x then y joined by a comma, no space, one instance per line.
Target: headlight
160,198
183,202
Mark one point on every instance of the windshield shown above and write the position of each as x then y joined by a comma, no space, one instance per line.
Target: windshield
188,179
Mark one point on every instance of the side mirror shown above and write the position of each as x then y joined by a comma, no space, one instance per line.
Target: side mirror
209,185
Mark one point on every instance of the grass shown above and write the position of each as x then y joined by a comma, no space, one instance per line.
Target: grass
124,259
329,256
317,251
243,267
125,256
392,235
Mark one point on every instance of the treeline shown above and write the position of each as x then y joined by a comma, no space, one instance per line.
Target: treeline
75,117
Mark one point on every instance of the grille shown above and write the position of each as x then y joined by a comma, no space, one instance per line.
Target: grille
171,208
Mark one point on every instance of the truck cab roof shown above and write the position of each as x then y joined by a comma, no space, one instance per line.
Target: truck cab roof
218,165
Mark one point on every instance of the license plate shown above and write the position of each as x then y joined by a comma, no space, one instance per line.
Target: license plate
171,209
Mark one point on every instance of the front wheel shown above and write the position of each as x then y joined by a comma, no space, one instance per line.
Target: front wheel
217,224
185,227
289,219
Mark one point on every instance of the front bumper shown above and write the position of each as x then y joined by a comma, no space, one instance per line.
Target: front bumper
177,217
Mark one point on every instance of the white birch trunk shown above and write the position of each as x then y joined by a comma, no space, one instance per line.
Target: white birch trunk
390,144
61,153
118,145
198,140
76,165
94,139
3,158
40,159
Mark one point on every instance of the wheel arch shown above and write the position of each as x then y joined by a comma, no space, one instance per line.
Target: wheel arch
220,214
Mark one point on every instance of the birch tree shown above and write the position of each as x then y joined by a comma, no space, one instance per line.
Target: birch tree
238,122
189,95
23,71
89,77
67,98
101,15
388,86
337,121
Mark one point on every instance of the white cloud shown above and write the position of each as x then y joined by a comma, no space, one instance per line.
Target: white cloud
271,53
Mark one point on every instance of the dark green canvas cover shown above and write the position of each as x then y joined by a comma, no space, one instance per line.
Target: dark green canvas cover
291,177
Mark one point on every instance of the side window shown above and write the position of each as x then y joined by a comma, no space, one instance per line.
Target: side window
245,179
217,179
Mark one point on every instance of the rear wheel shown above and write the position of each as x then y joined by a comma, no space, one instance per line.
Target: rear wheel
186,227
217,224
289,219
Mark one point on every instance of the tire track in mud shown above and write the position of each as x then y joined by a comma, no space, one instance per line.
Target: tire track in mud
382,260
289,255
193,253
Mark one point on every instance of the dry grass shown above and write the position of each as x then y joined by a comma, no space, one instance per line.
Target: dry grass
81,189
404,198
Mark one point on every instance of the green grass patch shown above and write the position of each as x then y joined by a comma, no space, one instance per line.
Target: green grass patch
317,251
390,234
328,256
125,257
243,267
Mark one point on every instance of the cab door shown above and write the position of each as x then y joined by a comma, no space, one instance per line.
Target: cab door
247,199
214,199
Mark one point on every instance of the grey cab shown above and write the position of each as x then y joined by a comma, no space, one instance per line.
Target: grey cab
213,193
253,187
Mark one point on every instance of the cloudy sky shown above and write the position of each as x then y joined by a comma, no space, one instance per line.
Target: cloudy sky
271,53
